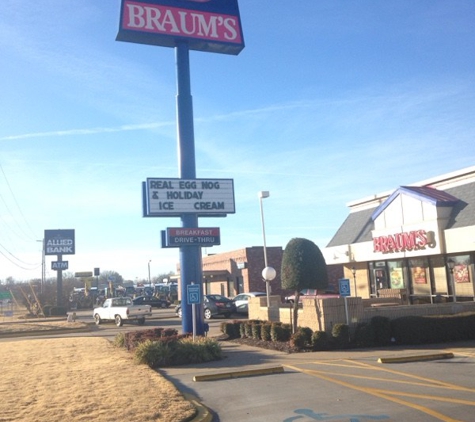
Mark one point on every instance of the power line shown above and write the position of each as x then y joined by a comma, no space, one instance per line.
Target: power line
19,265
18,207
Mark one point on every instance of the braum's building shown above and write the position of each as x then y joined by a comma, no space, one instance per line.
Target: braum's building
418,241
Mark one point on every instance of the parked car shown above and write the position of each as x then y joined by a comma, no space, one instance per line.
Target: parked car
213,305
241,301
311,293
153,301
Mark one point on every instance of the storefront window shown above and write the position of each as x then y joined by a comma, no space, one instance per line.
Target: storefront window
462,275
396,274
439,271
420,276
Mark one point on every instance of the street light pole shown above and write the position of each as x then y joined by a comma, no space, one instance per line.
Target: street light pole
353,270
268,273
451,265
149,281
42,264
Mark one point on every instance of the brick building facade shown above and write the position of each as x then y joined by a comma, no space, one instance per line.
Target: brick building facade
239,271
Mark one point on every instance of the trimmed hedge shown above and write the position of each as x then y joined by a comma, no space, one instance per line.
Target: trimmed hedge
341,335
433,329
164,347
320,340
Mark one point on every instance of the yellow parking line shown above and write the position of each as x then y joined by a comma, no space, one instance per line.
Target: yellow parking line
417,377
376,393
434,384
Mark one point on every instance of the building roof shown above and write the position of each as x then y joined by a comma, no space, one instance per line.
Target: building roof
436,197
358,225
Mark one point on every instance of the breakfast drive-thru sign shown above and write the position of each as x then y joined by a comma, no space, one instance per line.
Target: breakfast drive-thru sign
198,236
206,25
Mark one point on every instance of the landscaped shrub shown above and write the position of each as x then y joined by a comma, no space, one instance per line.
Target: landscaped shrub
364,335
133,338
433,329
154,353
298,340
320,340
382,330
280,332
242,329
119,340
265,331
307,332
256,330
245,329
408,330
341,335
231,329
168,351
248,329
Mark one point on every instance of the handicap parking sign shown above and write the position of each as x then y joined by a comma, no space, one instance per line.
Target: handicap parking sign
193,294
344,286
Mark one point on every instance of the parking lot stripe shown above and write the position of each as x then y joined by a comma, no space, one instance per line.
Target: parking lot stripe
377,393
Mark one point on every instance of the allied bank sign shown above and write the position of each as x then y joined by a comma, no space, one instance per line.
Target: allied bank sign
206,25
59,242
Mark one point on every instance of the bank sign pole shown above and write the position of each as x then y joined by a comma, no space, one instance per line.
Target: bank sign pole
59,243
201,25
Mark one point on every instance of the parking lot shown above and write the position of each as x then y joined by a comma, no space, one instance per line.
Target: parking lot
349,385
337,386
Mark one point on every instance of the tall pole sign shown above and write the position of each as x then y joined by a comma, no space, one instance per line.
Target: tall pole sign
201,25
59,243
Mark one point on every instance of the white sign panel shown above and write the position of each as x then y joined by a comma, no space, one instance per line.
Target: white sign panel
173,197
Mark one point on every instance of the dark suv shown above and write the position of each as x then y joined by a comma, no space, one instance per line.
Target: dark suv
214,305
153,301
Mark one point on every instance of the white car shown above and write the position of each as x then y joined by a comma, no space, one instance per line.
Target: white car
241,301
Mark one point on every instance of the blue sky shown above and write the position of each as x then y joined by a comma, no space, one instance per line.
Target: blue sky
329,102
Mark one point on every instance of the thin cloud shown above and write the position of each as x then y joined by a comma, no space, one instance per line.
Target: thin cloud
93,131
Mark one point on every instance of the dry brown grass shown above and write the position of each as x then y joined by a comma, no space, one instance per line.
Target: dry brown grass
82,379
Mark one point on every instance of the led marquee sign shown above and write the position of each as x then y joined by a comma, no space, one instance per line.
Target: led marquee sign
165,197
206,25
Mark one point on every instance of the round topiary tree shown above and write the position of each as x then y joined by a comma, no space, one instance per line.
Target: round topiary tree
303,267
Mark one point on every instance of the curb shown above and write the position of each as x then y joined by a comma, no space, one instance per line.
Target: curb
416,358
15,334
202,412
238,374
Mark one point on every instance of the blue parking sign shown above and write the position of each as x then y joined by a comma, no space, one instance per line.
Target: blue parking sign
193,294
344,287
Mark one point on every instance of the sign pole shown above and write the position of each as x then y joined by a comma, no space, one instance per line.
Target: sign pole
59,288
190,256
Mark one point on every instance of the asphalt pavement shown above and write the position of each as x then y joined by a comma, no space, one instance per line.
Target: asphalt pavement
396,384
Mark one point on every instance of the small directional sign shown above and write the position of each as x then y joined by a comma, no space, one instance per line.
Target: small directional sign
83,274
59,265
344,286
193,294
198,236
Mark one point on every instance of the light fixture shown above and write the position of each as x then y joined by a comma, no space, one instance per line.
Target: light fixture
353,270
268,273
451,265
